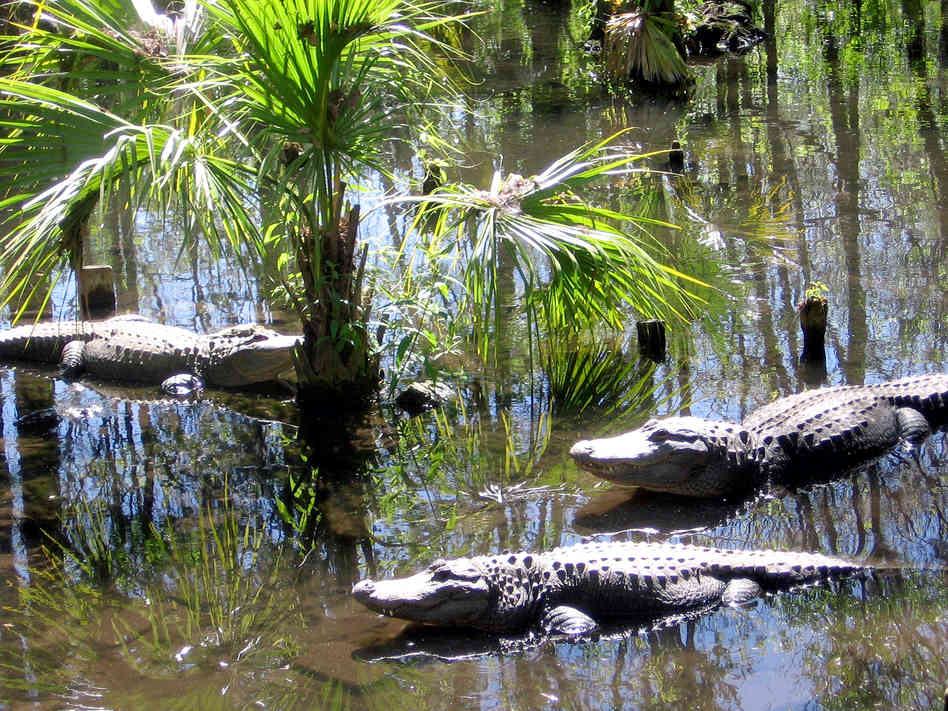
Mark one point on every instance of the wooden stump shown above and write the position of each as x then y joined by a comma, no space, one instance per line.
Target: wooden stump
813,313
676,158
96,292
651,335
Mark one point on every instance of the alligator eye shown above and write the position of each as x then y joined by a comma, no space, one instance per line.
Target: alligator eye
659,435
441,574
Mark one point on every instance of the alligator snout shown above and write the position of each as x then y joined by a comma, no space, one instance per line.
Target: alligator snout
363,588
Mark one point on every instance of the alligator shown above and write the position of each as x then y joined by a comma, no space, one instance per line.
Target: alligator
572,590
779,443
133,348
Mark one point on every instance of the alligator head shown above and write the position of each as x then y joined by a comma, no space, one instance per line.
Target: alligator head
453,592
247,354
678,455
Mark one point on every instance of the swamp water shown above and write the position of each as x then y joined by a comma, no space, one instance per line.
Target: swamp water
209,571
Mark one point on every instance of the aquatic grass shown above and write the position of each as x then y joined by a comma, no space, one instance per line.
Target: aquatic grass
48,625
453,467
597,376
223,593
216,593
300,511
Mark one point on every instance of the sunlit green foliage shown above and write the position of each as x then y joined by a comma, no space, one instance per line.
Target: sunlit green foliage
577,265
596,377
638,45
288,102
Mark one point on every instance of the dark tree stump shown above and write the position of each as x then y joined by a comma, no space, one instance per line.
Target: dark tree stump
676,158
813,313
651,335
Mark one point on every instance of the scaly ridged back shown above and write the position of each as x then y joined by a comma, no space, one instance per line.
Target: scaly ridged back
848,404
42,342
145,351
674,559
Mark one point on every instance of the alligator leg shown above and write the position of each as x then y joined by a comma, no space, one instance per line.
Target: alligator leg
567,620
913,427
740,591
71,362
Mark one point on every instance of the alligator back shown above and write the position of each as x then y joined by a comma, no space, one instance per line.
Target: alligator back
144,351
42,342
926,393
845,422
668,561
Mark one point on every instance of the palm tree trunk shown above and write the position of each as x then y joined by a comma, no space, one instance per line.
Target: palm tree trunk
339,367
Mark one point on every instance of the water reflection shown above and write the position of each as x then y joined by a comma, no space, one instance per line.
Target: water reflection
698,662
195,560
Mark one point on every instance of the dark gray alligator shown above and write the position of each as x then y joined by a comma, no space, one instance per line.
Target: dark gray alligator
569,590
816,429
132,348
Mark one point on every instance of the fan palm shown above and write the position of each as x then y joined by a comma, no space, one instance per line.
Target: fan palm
209,110
579,265
638,45
204,131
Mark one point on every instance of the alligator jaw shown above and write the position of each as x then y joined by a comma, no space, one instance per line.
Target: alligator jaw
447,593
259,360
654,457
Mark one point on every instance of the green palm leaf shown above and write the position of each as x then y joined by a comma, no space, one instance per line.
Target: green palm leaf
579,265
637,46
62,154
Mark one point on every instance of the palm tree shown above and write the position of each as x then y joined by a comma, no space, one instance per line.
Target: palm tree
209,109
640,44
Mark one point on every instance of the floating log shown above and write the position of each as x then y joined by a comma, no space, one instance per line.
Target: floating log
96,292
651,335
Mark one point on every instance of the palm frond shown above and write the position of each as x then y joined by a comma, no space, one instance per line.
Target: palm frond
579,265
586,376
62,154
115,53
637,46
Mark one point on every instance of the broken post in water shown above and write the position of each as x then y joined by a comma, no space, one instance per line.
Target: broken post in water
813,312
96,292
651,335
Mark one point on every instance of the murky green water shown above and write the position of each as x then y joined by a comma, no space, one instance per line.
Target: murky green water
820,156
